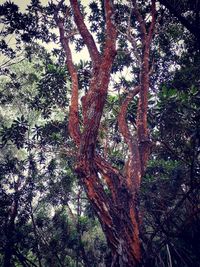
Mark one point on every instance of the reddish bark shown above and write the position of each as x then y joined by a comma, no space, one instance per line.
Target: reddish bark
118,211
142,128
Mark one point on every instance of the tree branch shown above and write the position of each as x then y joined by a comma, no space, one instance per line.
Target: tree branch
153,22
74,127
111,33
93,102
123,127
86,35
133,165
142,128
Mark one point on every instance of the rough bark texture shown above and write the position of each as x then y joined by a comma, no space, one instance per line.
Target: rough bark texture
118,211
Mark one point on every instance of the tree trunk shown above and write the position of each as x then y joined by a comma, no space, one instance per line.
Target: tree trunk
118,216
125,242
10,231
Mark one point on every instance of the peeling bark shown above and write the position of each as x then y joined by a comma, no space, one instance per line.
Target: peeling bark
117,211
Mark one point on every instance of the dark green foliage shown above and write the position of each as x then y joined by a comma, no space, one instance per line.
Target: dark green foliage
84,74
46,98
16,132
172,179
97,20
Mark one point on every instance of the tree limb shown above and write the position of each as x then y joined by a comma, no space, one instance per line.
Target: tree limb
86,35
153,22
133,165
74,127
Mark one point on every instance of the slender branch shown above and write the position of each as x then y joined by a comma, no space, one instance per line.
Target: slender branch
111,33
123,127
142,128
133,163
86,35
74,127
71,214
153,22
11,63
22,258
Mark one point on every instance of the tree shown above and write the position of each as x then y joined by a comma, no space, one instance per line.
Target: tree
111,140
118,210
